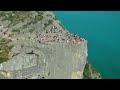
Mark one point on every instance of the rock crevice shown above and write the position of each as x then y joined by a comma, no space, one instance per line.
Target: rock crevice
42,47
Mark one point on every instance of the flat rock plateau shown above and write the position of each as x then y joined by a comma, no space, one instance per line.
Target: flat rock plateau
35,45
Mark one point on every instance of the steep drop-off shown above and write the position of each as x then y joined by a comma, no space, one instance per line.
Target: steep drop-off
35,45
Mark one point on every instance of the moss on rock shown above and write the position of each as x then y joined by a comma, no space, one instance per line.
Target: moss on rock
90,72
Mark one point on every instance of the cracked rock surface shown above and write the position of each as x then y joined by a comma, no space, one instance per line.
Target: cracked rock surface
39,47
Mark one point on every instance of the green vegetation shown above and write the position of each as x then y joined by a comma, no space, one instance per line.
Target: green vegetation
31,30
39,18
4,41
90,72
15,16
86,73
48,23
18,31
26,25
4,49
8,16
10,35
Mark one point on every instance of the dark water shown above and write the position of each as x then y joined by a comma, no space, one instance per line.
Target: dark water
102,30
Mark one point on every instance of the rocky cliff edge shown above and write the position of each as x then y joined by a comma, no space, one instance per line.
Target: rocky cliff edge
35,45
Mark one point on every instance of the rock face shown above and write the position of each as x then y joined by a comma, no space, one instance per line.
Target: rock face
41,47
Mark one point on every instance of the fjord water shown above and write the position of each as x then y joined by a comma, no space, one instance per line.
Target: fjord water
102,30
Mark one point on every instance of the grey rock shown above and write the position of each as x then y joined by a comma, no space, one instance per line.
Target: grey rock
35,57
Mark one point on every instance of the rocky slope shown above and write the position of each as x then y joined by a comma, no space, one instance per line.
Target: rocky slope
35,45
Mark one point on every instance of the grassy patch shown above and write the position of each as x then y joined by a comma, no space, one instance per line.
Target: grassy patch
19,16
89,72
4,41
37,18
31,30
86,73
26,25
8,16
48,23
4,49
10,35
17,31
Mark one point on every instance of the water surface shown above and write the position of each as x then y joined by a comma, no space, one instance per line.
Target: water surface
102,30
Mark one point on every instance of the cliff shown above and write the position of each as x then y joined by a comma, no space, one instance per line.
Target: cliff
35,45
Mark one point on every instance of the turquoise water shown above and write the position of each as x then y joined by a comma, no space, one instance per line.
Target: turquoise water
102,30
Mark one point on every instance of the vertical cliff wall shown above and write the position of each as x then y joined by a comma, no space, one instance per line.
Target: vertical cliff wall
35,45
57,61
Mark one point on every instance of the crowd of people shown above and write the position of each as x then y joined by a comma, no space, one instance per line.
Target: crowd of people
58,35
52,35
